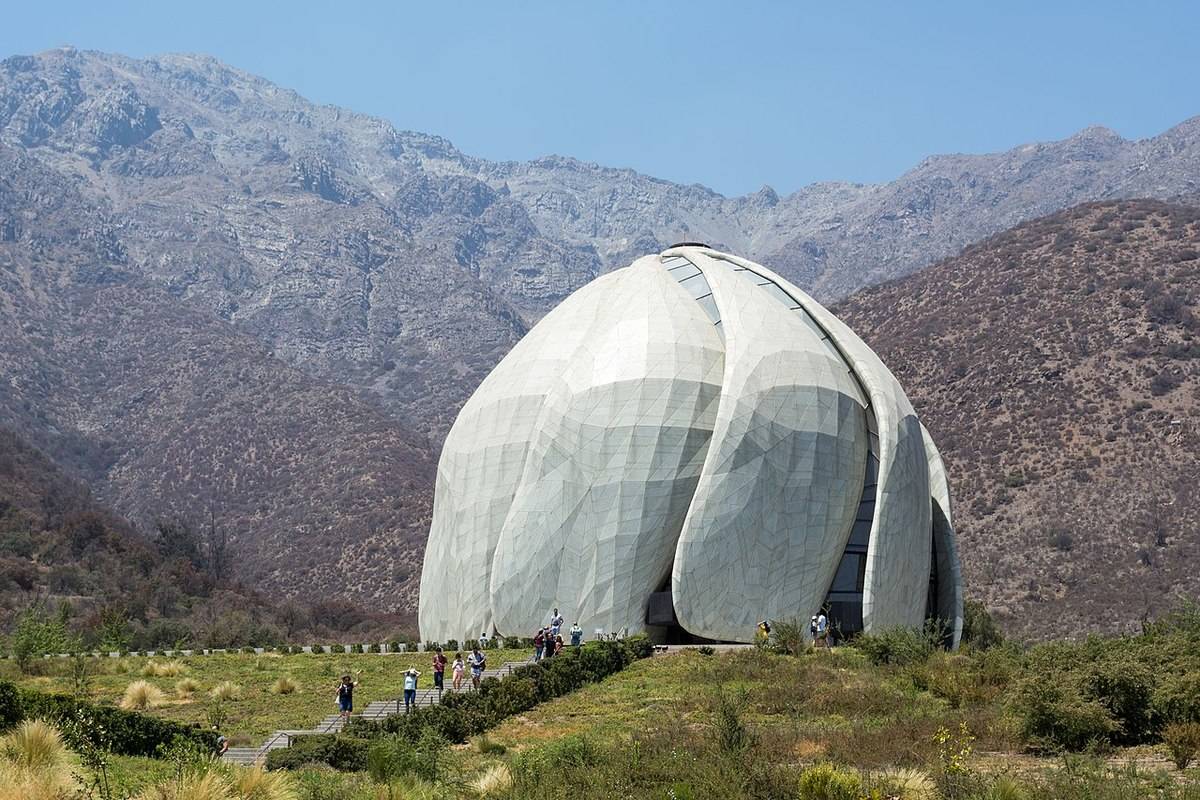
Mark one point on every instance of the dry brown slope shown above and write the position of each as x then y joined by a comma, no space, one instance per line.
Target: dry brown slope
170,411
1057,366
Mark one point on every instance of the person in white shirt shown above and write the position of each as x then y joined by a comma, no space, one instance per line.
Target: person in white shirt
410,689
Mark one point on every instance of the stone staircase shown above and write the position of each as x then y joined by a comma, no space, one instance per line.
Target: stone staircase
375,710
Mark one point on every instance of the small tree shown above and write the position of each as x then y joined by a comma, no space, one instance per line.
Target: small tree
114,630
979,629
36,635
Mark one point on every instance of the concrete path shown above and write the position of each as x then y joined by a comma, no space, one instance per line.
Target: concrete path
376,710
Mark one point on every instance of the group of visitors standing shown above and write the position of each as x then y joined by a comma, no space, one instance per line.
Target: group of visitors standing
476,662
548,641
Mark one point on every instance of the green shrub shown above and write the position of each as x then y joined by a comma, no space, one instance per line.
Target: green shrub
131,734
900,646
394,757
1126,689
10,706
1054,715
979,629
729,730
827,782
574,752
343,753
1177,698
1183,742
706,650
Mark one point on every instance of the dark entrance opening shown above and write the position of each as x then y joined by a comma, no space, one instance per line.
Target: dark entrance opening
661,623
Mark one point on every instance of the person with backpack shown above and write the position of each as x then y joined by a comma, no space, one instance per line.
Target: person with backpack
410,688
439,669
478,665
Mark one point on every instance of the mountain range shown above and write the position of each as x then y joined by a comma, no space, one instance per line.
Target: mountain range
218,297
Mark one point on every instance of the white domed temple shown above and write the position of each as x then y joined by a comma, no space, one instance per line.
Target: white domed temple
684,447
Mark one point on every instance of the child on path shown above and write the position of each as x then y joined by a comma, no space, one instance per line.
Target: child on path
459,669
345,696
558,645
410,689
439,669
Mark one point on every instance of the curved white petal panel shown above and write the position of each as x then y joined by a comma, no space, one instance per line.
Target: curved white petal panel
898,561
614,461
783,476
482,461
950,588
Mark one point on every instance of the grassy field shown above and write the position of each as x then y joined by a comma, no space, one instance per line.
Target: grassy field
257,709
747,724
892,718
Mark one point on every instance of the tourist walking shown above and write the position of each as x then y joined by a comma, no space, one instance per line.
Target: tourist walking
576,635
823,630
556,622
459,669
478,665
345,696
410,689
539,644
439,669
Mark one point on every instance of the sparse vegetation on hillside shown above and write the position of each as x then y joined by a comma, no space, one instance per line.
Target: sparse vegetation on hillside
1057,366
73,575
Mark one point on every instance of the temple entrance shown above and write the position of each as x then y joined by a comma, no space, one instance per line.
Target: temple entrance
662,626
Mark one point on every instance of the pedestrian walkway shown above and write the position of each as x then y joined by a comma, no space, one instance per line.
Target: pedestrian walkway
375,710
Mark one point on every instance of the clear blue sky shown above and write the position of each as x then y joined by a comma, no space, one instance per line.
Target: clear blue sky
780,93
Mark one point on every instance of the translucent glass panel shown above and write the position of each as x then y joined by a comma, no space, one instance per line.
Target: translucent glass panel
689,276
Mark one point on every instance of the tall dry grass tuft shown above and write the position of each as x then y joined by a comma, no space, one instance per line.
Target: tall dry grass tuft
164,669
34,764
258,784
909,784
227,691
20,783
285,685
196,786
411,788
186,687
141,695
35,745
494,780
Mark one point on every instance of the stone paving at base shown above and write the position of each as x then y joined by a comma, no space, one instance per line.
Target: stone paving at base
375,710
